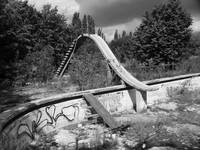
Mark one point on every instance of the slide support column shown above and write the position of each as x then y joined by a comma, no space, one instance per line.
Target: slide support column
139,99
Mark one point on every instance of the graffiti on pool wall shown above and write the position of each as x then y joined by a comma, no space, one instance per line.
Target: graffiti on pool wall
35,127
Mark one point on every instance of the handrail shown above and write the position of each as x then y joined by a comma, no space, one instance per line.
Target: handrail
23,109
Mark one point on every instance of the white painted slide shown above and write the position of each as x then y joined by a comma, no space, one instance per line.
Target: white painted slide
115,65
111,60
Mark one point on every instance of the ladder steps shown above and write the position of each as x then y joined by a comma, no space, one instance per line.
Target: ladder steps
66,56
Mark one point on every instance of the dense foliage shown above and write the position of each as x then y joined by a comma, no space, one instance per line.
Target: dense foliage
33,42
88,68
122,48
195,42
162,37
27,33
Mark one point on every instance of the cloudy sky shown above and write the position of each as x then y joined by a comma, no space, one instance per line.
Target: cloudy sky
116,14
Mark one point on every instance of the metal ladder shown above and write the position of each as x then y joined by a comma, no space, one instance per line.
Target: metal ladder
61,69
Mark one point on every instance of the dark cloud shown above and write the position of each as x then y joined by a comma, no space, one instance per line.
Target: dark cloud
112,12
193,6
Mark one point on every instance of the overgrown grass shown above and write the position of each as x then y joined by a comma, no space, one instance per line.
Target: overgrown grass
186,98
184,94
156,134
143,72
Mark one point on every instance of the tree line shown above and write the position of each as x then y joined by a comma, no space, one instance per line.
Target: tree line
34,42
163,37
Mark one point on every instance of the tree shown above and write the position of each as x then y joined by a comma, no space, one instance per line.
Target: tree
122,48
17,28
116,35
101,34
26,31
76,23
88,25
54,31
32,42
130,34
2,15
91,25
99,31
85,24
195,43
123,34
163,34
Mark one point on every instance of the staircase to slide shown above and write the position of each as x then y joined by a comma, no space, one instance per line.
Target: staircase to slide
63,65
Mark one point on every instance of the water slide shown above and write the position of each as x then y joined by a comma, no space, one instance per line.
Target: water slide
112,61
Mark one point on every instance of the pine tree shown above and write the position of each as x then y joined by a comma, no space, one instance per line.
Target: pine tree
76,23
116,35
130,34
99,31
85,24
123,34
91,25
122,48
101,34
76,20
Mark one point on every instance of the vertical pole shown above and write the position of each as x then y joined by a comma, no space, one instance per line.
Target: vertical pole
109,74
139,99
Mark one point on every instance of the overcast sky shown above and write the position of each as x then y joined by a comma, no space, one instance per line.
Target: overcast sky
116,14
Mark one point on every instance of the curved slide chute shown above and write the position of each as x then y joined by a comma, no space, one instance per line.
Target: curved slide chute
113,63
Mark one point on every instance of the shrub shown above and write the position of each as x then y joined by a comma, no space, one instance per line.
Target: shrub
88,67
